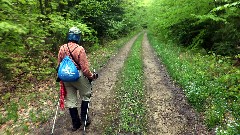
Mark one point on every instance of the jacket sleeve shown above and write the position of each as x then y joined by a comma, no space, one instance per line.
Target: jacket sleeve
84,64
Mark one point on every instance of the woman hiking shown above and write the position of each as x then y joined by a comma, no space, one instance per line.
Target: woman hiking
81,85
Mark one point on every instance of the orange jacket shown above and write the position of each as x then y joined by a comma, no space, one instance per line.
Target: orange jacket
79,55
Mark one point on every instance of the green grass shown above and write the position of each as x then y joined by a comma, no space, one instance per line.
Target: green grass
210,82
130,116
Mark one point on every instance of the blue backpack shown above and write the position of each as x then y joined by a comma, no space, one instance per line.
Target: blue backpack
67,70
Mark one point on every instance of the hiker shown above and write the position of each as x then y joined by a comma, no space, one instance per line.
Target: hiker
83,84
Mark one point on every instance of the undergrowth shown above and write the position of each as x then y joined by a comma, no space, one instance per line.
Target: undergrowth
130,115
35,92
210,82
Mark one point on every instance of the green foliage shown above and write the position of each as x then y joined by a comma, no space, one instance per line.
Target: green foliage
7,27
12,111
226,5
59,26
116,27
33,30
25,128
212,25
136,16
164,14
210,83
101,54
99,14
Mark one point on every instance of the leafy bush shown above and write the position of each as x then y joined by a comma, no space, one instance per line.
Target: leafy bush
116,28
212,25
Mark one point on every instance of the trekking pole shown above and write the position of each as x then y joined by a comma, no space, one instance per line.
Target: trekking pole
54,119
85,122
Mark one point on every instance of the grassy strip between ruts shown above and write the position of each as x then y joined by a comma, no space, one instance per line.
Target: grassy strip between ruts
129,117
210,83
34,105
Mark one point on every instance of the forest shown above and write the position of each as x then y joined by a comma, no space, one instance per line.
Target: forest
198,41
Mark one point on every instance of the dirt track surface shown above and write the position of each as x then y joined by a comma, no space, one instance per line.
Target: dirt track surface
168,110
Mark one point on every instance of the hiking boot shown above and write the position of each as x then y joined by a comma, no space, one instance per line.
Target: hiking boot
84,115
75,119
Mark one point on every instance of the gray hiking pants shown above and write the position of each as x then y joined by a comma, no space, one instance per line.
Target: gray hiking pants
81,86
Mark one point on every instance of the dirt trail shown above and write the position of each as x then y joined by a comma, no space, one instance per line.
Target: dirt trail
101,93
168,110
103,87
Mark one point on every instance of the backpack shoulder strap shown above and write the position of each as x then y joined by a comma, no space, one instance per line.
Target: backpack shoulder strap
72,55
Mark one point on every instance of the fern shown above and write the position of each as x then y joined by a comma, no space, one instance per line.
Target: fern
203,18
7,27
226,6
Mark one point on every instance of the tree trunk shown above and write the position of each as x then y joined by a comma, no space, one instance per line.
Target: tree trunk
41,7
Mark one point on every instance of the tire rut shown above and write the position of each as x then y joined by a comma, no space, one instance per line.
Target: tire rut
102,89
168,110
